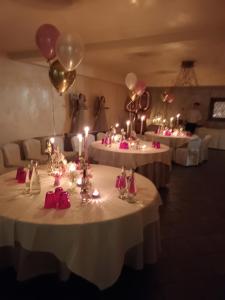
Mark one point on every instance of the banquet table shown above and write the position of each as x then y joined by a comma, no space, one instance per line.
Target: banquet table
173,141
153,163
92,240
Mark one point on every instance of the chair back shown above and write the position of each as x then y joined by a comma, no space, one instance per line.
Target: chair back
100,136
32,149
204,147
59,142
12,154
194,145
75,143
2,168
90,139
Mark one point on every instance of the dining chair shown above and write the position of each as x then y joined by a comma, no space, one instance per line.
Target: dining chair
204,148
100,136
12,155
58,142
32,151
189,155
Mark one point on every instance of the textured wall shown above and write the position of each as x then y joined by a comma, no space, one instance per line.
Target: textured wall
184,97
26,99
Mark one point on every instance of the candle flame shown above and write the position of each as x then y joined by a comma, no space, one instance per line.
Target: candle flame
52,140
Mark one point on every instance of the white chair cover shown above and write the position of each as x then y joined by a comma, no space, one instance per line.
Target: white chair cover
204,148
12,155
190,155
90,139
100,136
2,168
32,150
75,143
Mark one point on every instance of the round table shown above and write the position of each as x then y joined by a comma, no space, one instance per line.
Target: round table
173,141
150,162
92,240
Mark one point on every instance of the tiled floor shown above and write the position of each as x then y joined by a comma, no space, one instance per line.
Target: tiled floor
192,264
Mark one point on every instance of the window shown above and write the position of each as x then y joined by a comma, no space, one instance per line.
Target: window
217,109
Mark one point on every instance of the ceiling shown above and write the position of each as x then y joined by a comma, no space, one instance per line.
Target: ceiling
148,37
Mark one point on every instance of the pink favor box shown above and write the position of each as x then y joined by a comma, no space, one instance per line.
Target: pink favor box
124,145
58,199
21,177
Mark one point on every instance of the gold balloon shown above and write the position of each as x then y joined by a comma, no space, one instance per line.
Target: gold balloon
60,78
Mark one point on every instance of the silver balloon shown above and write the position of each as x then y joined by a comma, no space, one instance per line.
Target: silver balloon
69,50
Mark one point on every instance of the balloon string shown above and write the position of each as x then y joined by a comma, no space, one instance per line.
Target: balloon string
53,113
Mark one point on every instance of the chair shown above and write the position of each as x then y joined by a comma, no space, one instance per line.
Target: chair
12,155
204,148
32,150
90,139
58,142
75,144
190,155
2,166
100,136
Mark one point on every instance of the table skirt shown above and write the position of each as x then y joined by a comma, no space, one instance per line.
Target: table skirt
29,264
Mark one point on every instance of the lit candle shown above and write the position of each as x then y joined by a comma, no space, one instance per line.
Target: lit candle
142,120
80,138
79,181
86,130
171,121
178,116
52,140
128,124
95,194
117,125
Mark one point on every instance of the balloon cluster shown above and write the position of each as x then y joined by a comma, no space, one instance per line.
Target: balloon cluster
64,53
135,86
167,97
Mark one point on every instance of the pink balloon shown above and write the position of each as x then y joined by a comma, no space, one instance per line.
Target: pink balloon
140,88
46,37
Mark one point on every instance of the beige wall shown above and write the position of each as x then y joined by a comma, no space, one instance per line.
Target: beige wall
184,97
26,98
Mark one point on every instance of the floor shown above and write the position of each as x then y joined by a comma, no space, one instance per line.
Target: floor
192,264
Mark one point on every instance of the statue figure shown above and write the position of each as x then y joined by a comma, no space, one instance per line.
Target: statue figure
78,111
100,123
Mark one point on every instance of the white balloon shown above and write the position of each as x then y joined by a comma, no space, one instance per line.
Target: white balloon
131,80
69,50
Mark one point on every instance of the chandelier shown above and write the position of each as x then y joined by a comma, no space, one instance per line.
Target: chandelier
187,75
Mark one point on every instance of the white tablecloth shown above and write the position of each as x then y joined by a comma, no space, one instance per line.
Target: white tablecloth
90,240
171,141
152,163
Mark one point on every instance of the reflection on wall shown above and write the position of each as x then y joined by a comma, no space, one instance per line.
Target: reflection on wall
27,100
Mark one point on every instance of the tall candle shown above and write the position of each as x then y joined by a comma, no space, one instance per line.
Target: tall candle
178,116
128,124
171,121
142,120
80,138
86,130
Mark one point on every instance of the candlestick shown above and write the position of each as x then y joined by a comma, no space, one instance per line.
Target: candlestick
80,138
171,122
142,120
128,124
